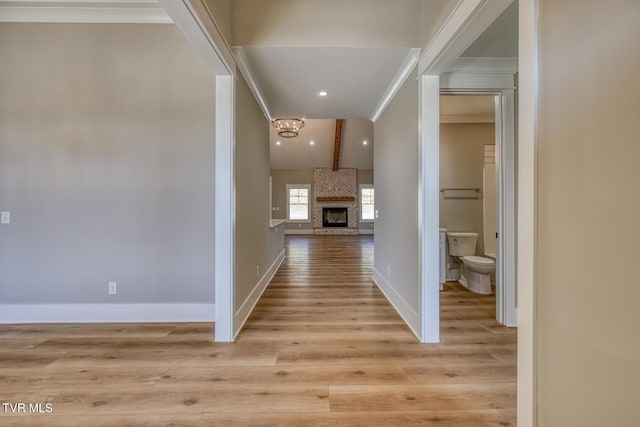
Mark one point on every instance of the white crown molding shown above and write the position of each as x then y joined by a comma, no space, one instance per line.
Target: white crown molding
396,83
202,13
468,20
249,77
196,22
85,11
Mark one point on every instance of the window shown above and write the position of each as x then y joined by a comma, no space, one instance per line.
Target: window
298,196
366,203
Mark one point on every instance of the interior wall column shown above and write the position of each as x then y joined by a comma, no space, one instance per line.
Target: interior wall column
428,204
506,163
526,216
225,217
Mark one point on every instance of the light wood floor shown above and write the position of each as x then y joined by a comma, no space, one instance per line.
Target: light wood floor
322,348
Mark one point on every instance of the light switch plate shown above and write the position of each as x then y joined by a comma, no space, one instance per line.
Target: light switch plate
5,217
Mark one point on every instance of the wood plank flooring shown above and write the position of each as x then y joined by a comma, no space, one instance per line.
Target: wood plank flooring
322,348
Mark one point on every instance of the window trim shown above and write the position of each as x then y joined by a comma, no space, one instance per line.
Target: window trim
362,187
297,186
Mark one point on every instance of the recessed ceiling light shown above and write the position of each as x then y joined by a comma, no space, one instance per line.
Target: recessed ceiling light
311,142
364,142
277,142
323,93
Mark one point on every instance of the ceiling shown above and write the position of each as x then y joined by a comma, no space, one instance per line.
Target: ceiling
355,73
298,153
354,78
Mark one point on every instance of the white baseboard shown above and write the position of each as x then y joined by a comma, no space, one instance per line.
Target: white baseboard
299,231
106,313
247,306
408,314
365,231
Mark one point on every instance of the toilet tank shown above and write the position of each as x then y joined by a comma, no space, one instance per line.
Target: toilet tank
462,244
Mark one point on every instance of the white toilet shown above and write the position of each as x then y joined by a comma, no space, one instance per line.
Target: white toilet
475,272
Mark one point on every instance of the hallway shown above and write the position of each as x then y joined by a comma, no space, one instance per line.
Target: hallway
323,347
334,327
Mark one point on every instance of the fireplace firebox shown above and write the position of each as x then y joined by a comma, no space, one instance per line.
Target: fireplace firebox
334,217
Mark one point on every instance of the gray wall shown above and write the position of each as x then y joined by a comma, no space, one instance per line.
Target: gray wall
253,236
396,178
461,165
282,177
106,164
588,210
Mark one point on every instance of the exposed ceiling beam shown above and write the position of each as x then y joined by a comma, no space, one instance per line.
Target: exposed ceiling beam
336,145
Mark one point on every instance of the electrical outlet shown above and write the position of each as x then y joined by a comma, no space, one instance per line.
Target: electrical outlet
113,288
257,271
6,217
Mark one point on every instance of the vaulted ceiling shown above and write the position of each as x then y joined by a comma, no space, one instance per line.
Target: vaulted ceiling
354,79
352,49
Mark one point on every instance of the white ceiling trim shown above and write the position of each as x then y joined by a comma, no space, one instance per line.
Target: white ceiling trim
207,39
398,80
468,20
247,72
205,17
89,11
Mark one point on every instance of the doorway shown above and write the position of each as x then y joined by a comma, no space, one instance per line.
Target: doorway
480,162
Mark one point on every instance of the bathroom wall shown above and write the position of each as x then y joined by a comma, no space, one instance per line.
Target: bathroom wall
461,163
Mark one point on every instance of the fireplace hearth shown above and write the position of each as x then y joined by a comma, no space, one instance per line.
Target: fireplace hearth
334,217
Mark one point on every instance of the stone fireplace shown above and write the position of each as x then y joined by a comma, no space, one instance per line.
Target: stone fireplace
336,191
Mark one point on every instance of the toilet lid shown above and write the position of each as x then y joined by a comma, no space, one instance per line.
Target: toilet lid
479,260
